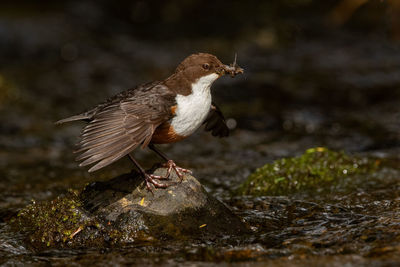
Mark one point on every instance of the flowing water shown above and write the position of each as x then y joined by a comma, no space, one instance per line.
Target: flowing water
340,90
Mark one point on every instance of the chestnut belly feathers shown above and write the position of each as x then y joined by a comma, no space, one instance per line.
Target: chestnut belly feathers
165,134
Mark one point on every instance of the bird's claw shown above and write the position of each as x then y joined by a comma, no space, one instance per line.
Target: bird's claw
171,165
151,179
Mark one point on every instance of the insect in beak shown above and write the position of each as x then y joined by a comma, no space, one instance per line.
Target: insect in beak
233,69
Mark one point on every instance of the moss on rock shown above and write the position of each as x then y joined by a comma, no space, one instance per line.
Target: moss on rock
316,170
53,223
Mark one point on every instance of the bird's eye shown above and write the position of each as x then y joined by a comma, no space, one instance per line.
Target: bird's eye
206,66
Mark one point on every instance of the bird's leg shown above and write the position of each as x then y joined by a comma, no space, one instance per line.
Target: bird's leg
170,164
149,178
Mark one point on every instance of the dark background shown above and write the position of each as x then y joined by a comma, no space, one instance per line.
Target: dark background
317,73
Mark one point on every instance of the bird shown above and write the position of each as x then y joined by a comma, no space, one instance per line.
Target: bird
158,112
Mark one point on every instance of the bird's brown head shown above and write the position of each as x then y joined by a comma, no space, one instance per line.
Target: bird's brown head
203,64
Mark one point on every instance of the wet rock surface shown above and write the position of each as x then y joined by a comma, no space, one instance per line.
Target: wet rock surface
122,211
183,210
317,170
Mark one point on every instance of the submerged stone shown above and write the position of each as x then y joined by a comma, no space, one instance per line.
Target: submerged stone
315,171
122,211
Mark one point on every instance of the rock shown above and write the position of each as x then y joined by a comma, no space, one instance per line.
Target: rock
317,170
121,211
184,209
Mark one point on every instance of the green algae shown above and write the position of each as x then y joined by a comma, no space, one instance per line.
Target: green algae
53,223
317,170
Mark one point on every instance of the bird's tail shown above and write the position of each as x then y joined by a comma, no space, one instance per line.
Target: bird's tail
83,116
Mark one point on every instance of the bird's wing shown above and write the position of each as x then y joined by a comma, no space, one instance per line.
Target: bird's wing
88,115
120,127
215,122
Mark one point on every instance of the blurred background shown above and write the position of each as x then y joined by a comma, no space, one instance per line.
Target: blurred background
317,73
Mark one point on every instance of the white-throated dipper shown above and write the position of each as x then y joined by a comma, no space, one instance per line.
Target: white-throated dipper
154,113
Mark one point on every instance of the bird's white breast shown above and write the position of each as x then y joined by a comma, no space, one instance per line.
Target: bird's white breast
193,109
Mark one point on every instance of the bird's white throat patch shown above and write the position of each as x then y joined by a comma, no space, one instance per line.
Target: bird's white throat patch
193,109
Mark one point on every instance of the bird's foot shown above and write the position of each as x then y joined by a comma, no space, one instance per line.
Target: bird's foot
171,165
159,177
151,179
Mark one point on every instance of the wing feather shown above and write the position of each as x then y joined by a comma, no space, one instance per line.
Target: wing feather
117,129
112,159
215,122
